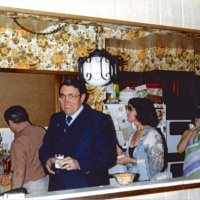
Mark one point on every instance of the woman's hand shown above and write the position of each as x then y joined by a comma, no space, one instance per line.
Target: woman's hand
125,160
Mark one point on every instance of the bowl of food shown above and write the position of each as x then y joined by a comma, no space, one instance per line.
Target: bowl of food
124,178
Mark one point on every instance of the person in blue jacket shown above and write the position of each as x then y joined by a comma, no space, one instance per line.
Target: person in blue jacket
83,137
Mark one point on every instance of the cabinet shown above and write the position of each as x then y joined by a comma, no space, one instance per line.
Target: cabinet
181,90
36,91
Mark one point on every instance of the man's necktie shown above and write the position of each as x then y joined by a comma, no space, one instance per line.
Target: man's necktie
67,123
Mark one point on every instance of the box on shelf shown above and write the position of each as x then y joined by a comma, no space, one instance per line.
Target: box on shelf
147,86
155,98
161,112
150,91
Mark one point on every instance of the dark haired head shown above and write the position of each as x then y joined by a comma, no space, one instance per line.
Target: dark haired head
16,114
145,109
79,84
196,115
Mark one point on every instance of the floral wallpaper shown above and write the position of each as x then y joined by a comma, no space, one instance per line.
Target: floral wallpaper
158,59
60,51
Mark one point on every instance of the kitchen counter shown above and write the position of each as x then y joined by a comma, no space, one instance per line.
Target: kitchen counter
175,188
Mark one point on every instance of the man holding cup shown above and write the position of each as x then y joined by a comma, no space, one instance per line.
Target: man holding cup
85,139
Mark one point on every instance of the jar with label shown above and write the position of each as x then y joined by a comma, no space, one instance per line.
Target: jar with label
127,94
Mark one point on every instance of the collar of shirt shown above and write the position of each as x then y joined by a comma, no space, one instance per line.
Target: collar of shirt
74,116
21,132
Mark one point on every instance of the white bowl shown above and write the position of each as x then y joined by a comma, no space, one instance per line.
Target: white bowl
124,178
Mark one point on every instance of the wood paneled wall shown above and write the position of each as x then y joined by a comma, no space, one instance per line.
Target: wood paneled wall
35,92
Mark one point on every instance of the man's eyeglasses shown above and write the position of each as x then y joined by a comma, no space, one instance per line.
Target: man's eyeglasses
71,97
129,108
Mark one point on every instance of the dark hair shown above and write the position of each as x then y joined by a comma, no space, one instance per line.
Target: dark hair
16,114
196,114
79,84
146,112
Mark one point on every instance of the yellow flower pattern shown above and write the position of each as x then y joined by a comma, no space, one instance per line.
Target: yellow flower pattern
61,50
58,59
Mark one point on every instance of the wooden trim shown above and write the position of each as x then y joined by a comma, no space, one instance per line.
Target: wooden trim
57,84
63,16
32,71
139,192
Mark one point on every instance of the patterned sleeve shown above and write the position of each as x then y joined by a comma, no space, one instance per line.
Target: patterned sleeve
155,153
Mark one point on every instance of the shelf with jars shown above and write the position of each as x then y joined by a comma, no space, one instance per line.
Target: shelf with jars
5,166
117,109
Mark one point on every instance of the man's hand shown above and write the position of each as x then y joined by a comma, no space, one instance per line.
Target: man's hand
69,163
17,178
49,164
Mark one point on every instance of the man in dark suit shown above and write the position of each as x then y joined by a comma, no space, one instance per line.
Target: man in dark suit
85,140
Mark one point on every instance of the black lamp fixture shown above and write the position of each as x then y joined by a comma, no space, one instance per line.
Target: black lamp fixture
99,68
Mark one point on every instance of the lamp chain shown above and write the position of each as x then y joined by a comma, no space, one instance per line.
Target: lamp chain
60,27
99,30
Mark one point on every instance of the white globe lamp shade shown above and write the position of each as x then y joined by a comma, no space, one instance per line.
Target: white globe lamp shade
100,70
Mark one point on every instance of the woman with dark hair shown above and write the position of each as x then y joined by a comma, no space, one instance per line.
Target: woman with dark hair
190,144
145,154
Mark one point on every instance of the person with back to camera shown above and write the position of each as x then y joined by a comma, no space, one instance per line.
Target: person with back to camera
26,168
86,144
190,144
145,153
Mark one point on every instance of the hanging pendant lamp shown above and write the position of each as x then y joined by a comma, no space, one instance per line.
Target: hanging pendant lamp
99,68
